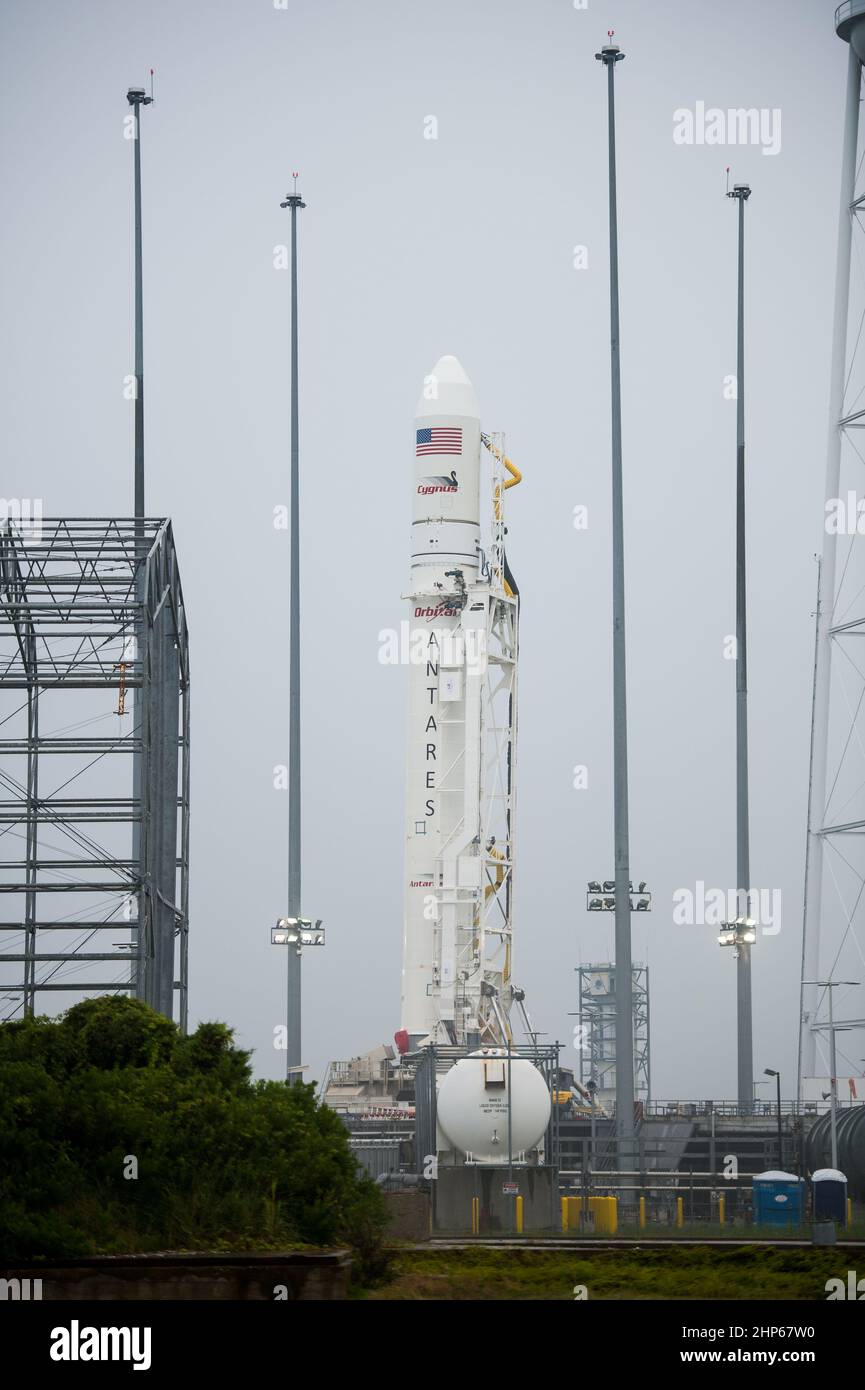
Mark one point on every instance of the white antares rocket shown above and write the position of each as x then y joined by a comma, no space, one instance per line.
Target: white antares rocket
492,1104
463,648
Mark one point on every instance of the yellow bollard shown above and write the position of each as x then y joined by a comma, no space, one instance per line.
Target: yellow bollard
680,1212
564,1213
519,1216
722,1208
476,1216
642,1213
604,1214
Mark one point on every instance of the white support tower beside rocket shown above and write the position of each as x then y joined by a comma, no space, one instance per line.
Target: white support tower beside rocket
464,616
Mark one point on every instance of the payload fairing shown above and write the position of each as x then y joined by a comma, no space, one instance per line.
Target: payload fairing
459,860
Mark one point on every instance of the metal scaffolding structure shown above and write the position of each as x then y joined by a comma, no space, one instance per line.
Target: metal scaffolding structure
834,917
597,1019
91,610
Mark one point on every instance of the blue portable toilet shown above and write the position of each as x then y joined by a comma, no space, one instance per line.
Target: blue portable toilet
829,1195
778,1199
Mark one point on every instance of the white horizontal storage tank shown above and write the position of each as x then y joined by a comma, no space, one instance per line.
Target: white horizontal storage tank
472,1106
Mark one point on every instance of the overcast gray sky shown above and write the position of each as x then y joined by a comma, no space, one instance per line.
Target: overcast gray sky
410,248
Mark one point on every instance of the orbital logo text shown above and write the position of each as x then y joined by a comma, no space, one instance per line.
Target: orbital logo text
441,610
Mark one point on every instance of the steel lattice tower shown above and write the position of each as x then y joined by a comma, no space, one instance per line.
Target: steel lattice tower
832,944
597,1017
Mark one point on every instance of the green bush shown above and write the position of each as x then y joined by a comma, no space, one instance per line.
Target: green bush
223,1162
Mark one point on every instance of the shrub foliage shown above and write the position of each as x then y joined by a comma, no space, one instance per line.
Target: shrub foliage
223,1162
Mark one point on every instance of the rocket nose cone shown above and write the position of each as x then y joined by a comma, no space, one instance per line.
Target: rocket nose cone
447,391
451,369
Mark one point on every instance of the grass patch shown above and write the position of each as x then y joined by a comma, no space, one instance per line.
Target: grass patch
706,1272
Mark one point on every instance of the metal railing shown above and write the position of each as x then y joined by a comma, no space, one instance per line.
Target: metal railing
848,10
692,1109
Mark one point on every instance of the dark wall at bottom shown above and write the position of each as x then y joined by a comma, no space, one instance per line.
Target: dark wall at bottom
291,1276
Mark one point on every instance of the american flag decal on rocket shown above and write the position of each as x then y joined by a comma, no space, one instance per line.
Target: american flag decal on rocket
439,439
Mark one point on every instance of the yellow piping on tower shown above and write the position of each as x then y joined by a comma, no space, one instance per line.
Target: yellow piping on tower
516,477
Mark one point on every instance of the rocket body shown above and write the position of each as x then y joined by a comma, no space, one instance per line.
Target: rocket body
444,959
446,500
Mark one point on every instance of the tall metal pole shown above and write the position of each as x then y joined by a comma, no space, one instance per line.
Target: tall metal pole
293,1000
806,1050
137,97
826,595
745,1048
511,1202
833,1086
31,665
609,56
